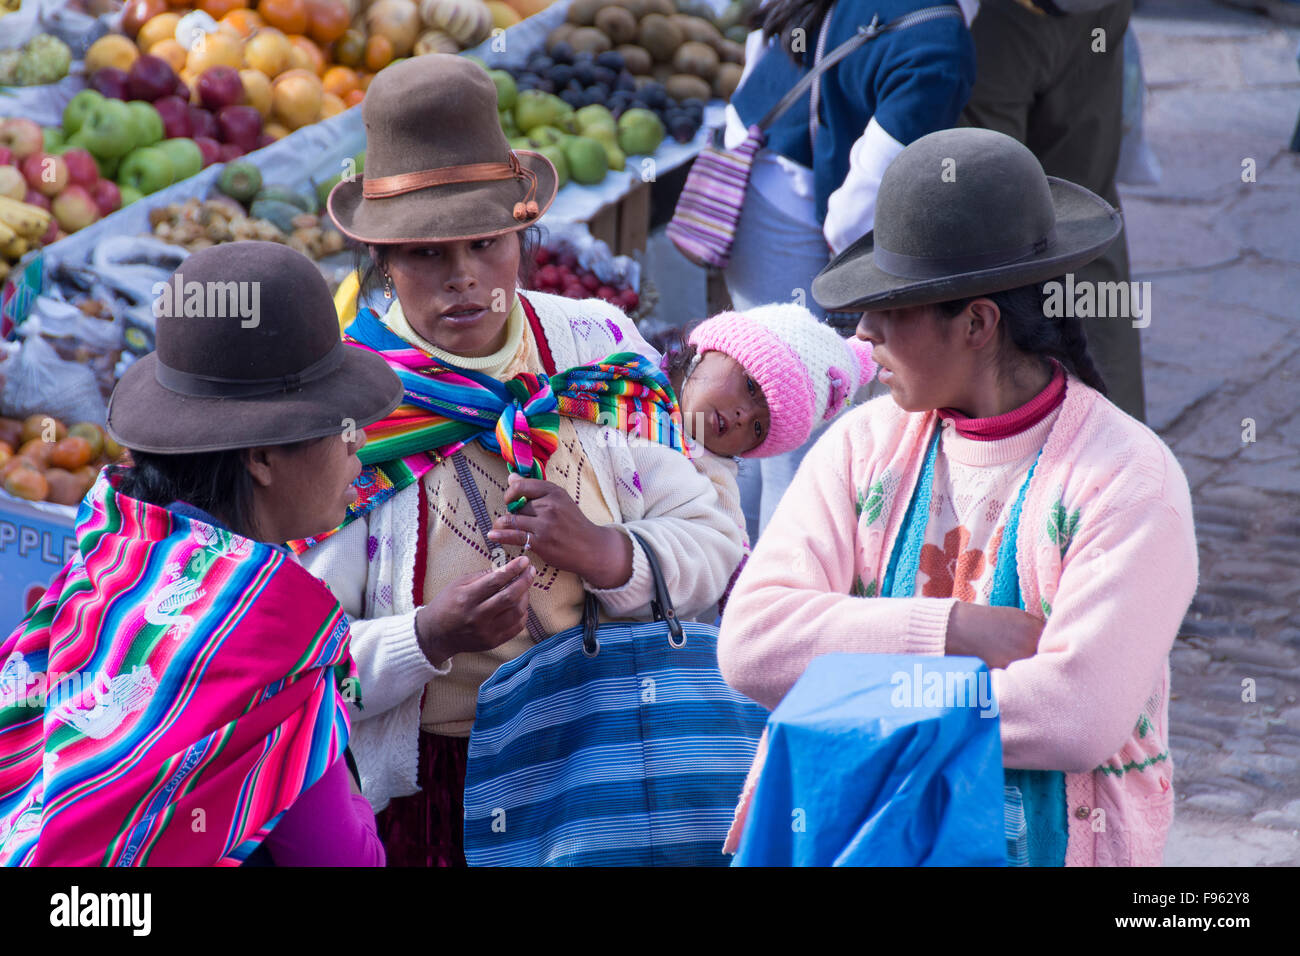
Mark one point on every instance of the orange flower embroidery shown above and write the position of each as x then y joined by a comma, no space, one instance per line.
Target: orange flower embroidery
951,570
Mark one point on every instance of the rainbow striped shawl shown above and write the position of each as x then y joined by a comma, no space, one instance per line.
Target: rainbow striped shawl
447,407
168,698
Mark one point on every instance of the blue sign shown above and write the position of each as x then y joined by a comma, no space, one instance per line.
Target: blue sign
36,541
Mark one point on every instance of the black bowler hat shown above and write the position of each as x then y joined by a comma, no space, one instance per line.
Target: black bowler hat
248,353
965,212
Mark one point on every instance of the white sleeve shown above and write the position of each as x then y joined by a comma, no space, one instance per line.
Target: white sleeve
390,664
851,209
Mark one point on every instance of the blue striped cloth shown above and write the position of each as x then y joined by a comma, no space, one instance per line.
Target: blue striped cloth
634,757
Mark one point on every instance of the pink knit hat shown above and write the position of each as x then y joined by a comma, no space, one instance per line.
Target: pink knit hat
806,371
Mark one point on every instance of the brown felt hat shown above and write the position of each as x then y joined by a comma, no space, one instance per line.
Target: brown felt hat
966,212
438,166
248,353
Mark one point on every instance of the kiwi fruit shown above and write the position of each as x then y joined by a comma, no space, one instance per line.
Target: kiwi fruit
635,7
697,59
726,80
636,59
660,37
662,7
559,35
701,31
681,86
730,52
617,24
589,40
582,13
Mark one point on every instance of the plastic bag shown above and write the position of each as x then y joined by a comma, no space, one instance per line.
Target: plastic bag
1138,166
863,769
38,380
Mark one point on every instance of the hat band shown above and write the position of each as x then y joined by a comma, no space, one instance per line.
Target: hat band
386,187
214,386
930,267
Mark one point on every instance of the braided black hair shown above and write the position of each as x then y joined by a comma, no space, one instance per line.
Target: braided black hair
1033,332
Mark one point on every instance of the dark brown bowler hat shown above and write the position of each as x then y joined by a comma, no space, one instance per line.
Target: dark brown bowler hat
966,212
248,354
438,166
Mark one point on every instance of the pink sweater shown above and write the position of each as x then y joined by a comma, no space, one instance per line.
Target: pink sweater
1106,554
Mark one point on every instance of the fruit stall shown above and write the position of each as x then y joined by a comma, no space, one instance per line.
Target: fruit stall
167,128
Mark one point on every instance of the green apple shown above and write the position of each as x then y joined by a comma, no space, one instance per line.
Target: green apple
556,155
53,140
108,130
129,194
146,170
594,117
547,136
78,108
186,157
148,123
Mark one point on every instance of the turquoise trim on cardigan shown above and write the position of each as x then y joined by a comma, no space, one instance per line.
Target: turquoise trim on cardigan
1037,824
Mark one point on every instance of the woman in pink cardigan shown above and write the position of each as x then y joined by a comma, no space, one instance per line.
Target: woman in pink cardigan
994,505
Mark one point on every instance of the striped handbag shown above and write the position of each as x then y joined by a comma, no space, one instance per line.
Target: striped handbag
609,745
703,226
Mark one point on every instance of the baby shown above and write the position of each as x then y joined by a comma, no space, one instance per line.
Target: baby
758,383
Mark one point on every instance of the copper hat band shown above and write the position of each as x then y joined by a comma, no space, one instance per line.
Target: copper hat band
385,187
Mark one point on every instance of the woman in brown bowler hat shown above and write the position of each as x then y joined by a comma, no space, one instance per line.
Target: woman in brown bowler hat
439,596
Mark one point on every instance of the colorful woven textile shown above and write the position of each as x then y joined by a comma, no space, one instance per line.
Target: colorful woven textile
169,697
447,407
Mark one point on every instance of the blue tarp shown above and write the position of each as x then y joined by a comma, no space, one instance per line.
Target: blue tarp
881,760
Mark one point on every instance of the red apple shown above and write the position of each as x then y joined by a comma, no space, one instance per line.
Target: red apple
51,232
34,198
241,125
6,156
590,282
139,12
607,293
46,174
265,139
543,256
107,196
220,86
150,78
628,300
569,260
210,149
21,137
183,91
110,82
574,290
230,151
203,123
548,276
175,113
75,208
82,170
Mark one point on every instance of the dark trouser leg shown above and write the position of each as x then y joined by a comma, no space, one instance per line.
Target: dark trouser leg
1040,80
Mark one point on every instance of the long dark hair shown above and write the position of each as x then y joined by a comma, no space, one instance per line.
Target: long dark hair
678,353
371,268
781,18
216,481
1032,332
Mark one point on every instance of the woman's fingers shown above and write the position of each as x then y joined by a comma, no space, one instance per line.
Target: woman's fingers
515,594
485,586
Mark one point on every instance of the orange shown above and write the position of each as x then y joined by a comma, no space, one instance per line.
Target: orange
111,50
340,80
269,51
243,20
329,19
217,9
296,97
350,49
257,91
312,57
287,15
157,28
331,105
354,97
171,51
217,49
379,52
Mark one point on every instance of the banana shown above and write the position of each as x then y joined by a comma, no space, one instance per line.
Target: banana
6,234
23,218
14,248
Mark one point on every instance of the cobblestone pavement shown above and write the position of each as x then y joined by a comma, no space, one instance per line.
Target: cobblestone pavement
1221,355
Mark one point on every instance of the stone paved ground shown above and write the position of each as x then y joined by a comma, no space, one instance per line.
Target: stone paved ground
1223,257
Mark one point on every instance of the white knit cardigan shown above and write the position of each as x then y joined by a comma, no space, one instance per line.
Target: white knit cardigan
370,564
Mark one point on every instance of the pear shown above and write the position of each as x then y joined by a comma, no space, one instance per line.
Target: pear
587,159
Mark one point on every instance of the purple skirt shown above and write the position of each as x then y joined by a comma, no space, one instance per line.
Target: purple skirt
428,828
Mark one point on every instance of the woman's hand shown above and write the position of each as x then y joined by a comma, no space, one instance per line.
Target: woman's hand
475,612
552,526
996,635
